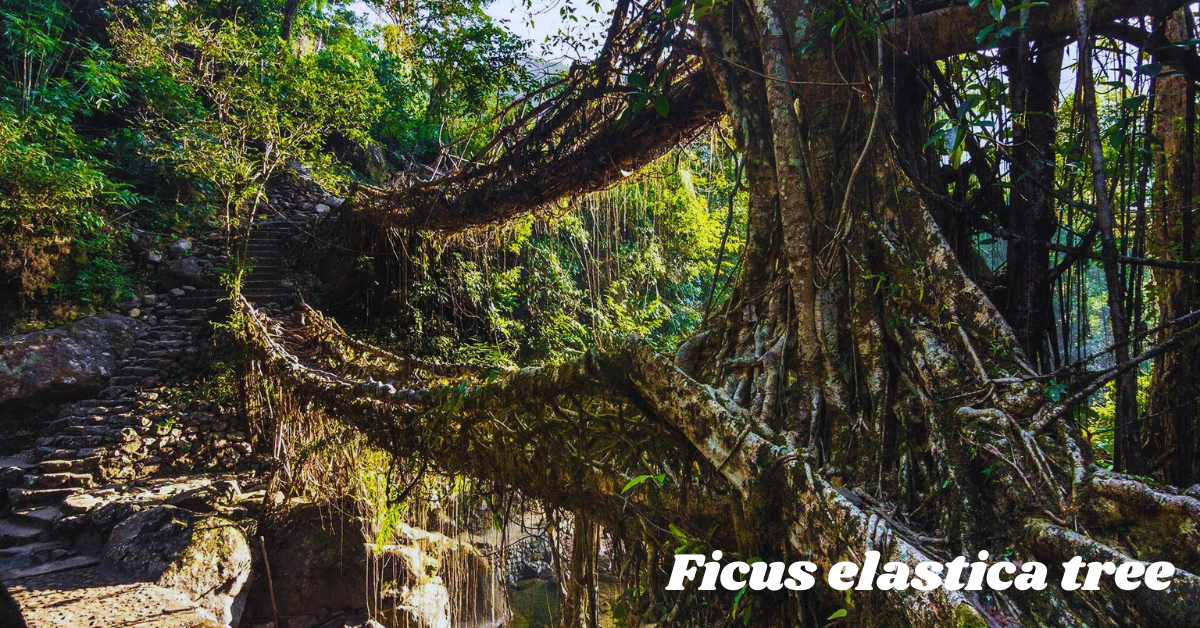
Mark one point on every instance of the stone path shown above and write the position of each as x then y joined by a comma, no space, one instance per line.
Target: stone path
267,281
110,437
85,598
101,449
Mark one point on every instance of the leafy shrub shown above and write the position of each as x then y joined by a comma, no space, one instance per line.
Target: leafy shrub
54,192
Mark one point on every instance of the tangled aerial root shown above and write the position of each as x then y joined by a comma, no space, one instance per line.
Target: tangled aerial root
512,428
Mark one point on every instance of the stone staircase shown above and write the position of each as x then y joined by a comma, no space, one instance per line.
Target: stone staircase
296,207
267,282
94,441
101,448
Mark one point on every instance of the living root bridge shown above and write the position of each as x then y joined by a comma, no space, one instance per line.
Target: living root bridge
597,148
497,427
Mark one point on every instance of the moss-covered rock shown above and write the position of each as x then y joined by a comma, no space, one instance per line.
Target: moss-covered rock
63,364
205,558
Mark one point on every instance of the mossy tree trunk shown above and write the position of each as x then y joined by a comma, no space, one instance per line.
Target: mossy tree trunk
1174,400
882,378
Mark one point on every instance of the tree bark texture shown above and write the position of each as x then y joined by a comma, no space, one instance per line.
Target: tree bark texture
1033,95
1174,401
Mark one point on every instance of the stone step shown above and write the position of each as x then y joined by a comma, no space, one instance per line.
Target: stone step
22,556
139,371
55,466
18,497
13,533
155,363
259,283
270,298
72,465
111,403
55,453
119,393
73,562
85,430
62,424
273,275
169,335
208,292
64,441
23,460
41,517
165,329
198,302
58,480
87,410
192,321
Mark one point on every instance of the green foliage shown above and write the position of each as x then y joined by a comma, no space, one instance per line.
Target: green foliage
228,107
633,483
54,192
636,259
442,67
171,117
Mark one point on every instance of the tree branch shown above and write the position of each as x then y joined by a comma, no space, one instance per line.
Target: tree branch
951,31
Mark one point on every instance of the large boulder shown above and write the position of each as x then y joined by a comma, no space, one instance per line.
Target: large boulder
318,566
177,273
63,364
205,558
216,497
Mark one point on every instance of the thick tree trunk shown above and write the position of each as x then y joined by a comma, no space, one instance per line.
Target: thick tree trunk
1033,96
289,17
1174,399
857,338
1127,441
